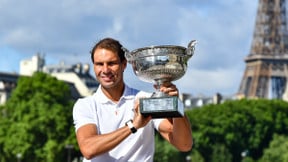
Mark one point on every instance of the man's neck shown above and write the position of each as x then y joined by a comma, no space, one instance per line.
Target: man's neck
115,93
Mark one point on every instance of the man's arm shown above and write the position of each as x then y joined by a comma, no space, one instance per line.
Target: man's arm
91,144
177,131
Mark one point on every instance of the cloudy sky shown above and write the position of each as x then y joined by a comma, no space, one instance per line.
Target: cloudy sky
65,30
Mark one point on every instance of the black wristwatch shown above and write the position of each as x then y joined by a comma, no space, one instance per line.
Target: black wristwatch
131,126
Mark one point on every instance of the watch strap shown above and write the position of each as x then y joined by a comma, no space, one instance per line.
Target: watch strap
129,123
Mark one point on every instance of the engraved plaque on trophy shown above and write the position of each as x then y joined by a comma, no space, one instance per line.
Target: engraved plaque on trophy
159,64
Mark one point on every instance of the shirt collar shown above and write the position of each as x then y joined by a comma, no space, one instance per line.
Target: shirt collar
127,94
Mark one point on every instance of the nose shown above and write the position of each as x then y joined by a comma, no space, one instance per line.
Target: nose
105,68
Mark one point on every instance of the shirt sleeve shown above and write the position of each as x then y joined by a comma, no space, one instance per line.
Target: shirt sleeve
83,113
157,122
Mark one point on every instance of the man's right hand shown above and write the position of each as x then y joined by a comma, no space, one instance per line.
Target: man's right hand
139,120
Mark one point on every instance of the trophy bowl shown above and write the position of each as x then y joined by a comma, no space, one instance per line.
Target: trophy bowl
159,64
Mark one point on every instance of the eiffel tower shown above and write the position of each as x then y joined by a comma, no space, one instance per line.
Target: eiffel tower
266,72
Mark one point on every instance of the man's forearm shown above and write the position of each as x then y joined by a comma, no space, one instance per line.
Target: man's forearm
182,134
99,144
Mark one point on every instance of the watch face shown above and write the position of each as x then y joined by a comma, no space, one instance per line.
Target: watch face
133,130
131,126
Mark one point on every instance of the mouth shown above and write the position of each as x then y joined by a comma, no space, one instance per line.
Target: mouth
107,78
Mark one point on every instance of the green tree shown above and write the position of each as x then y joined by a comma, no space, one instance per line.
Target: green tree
277,150
195,156
164,151
38,119
220,153
238,125
4,124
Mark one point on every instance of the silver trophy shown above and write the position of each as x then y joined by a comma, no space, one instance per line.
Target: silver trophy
159,64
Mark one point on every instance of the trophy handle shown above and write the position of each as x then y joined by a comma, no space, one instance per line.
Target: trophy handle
191,48
127,54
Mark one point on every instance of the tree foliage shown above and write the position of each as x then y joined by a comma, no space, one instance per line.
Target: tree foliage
36,121
277,150
164,151
238,125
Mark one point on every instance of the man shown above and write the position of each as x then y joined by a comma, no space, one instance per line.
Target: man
109,126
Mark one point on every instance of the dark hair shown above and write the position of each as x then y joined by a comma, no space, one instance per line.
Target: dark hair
109,44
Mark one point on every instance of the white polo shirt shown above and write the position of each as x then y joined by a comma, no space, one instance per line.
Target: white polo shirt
108,117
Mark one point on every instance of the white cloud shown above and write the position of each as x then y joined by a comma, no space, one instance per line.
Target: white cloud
67,30
209,82
22,37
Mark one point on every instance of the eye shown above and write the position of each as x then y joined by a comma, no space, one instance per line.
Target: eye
113,63
98,63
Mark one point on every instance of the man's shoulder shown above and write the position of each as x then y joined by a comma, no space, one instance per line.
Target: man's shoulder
85,100
142,94
130,91
137,92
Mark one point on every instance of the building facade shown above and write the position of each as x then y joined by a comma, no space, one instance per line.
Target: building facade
7,83
77,76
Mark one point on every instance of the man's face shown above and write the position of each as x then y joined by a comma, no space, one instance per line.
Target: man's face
108,68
